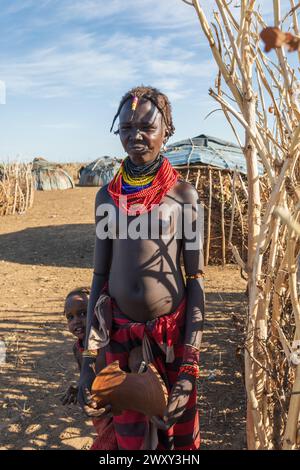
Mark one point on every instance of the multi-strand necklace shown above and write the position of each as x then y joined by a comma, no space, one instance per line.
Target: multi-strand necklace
138,188
135,178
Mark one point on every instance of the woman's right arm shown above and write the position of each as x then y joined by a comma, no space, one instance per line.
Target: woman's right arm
102,260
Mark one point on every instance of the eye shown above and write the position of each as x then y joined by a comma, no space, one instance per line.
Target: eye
70,317
148,128
82,314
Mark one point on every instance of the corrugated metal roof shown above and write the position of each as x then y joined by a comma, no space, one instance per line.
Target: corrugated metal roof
208,151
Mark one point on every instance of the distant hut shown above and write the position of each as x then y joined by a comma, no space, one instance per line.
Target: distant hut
217,169
49,176
99,172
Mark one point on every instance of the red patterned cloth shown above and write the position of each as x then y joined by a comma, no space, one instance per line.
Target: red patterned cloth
126,334
106,439
79,345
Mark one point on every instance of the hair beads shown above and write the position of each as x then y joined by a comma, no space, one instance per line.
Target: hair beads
134,103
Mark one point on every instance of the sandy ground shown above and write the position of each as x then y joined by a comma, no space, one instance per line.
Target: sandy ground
44,254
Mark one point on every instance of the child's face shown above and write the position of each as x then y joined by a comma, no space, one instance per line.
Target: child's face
76,311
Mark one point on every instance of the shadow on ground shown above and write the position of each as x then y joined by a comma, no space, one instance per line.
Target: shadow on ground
39,367
62,245
222,397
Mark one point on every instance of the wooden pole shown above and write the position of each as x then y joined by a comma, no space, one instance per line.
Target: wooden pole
197,180
274,135
232,208
208,218
222,219
16,190
290,436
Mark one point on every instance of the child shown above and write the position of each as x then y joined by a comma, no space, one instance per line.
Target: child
75,309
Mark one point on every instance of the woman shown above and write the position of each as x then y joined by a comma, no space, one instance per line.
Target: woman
137,272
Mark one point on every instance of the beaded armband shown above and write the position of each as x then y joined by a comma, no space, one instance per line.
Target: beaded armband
190,361
190,369
90,353
198,275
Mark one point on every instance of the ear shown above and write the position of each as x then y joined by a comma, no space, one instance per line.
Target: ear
167,135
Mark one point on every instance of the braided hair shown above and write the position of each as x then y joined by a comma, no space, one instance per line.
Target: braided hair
159,99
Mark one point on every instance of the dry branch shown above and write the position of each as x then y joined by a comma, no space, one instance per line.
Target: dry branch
266,104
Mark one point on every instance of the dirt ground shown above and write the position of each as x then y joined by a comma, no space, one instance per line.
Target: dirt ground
44,254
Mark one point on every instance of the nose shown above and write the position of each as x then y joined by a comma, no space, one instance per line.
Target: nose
136,134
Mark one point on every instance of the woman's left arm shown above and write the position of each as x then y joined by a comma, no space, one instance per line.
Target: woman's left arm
192,233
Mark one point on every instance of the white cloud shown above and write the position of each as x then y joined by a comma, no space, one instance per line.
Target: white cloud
164,14
173,67
89,63
54,71
153,13
159,47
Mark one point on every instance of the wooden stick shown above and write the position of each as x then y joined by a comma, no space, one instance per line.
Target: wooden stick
232,207
286,217
222,219
15,192
290,436
274,135
238,258
208,219
242,224
198,178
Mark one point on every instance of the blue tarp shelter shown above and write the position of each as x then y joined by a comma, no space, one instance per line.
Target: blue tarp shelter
210,151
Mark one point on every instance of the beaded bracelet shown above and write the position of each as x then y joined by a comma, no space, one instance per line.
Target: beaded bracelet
190,369
90,353
195,276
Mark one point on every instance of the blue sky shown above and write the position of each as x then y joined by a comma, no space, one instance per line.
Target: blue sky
66,64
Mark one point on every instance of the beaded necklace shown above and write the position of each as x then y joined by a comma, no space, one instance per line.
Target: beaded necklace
142,191
148,169
135,178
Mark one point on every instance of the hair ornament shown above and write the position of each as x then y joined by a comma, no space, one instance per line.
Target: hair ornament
134,103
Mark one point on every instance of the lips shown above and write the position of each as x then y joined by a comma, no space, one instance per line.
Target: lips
79,330
138,149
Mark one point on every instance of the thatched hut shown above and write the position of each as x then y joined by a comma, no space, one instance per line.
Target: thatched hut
99,172
49,176
16,188
217,169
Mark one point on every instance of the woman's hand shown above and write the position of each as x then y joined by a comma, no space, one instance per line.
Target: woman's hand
179,398
178,401
85,398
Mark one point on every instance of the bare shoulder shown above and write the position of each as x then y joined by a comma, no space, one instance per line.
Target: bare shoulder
102,195
186,192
